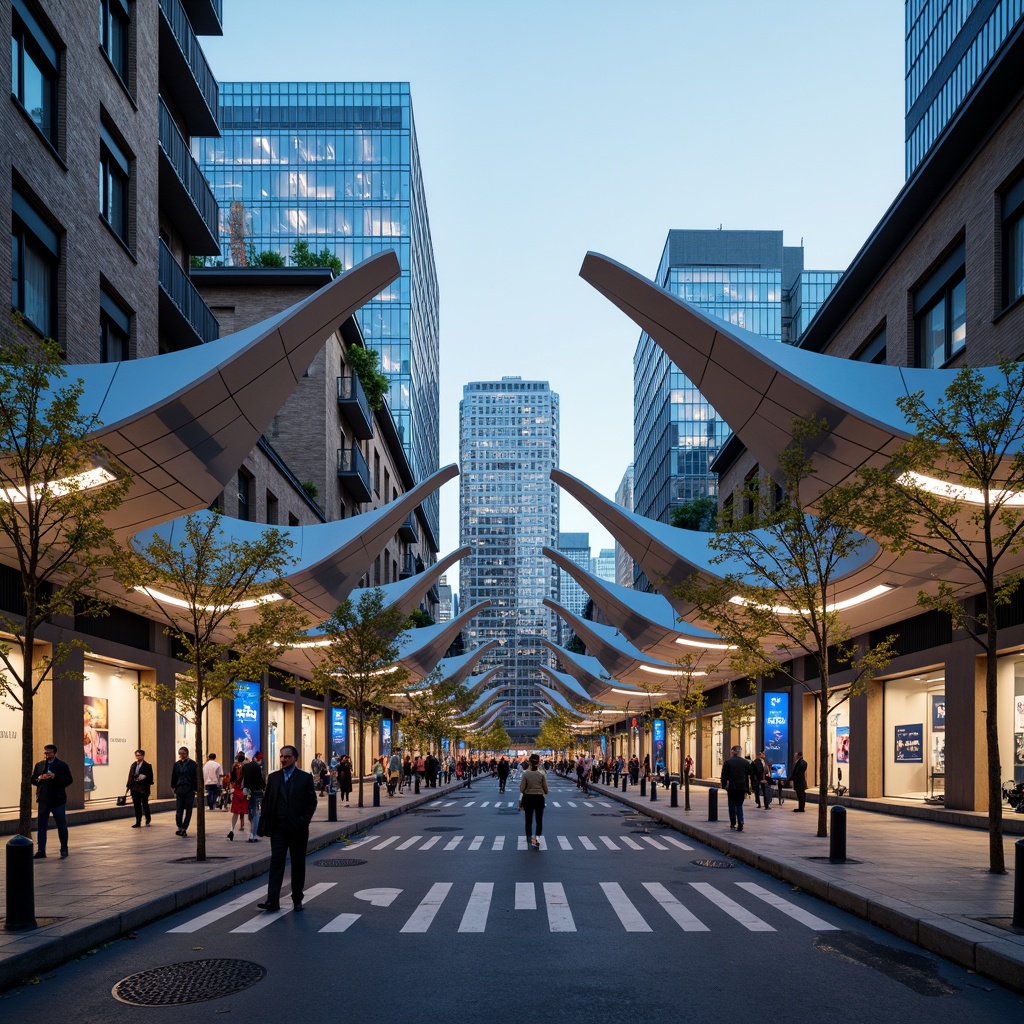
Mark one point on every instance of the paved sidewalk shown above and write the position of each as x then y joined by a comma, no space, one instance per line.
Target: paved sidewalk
117,879
924,881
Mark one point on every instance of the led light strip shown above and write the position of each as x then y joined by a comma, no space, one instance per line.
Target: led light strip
178,602
80,482
704,645
839,606
957,492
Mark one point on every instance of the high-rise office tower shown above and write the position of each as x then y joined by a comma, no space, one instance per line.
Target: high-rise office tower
623,560
336,165
446,602
575,547
748,278
508,512
603,566
950,49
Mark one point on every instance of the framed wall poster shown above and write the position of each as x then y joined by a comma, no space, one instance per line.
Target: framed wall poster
909,747
938,712
842,744
95,726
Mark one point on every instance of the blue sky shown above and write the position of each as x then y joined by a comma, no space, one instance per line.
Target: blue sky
548,128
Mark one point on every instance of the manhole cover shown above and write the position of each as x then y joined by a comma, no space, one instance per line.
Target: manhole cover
191,982
339,862
707,863
442,828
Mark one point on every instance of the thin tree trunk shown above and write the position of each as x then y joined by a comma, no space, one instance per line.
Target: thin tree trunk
200,791
362,757
997,864
27,753
823,757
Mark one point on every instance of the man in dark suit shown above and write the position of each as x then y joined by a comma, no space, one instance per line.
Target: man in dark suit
140,781
736,782
798,776
289,804
184,782
51,777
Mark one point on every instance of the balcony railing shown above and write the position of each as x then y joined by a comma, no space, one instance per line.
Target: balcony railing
356,406
186,191
412,565
408,531
182,305
207,16
184,68
354,473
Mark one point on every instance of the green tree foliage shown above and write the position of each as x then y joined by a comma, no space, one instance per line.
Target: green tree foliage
365,363
969,444
269,258
303,256
234,620
360,669
433,707
418,618
556,733
794,557
697,514
497,738
575,645
52,521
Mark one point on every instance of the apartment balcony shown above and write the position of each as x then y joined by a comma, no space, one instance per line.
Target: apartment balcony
184,192
354,404
184,71
354,473
206,16
184,316
408,531
412,565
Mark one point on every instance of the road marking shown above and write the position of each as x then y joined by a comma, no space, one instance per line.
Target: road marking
408,843
471,802
559,914
257,924
556,803
587,803
487,803
608,842
450,803
499,843
682,917
543,842
522,843
387,842
477,842
604,803
628,915
475,917
654,843
563,842
787,908
424,914
432,841
380,897
631,843
572,803
215,915
733,909
586,843
341,923
453,842
526,896
676,842
361,842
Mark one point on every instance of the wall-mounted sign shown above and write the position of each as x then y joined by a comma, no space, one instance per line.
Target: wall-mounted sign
246,719
339,731
909,744
776,733
938,712
385,737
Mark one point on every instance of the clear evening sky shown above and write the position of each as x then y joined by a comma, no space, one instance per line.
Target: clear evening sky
548,128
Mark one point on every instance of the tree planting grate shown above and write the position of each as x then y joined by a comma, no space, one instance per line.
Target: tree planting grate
192,860
706,862
191,982
339,862
442,828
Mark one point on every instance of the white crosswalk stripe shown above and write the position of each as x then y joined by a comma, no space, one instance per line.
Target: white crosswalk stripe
586,843
487,803
408,843
470,803
423,916
212,916
474,919
477,842
499,843
387,842
526,896
749,921
608,842
677,843
631,918
790,909
654,843
265,919
453,842
572,803
556,803
631,843
432,841
559,915
682,917
563,842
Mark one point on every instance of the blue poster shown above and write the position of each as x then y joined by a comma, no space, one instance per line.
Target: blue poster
938,712
385,737
842,744
658,743
446,744
604,746
339,731
246,729
776,733
909,744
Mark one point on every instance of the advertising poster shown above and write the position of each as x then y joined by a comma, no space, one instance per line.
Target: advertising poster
938,712
776,733
385,737
910,744
604,747
339,731
842,744
95,728
1018,713
1018,750
658,741
446,744
246,719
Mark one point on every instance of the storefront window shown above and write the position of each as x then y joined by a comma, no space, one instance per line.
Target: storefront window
110,728
10,743
717,757
1010,684
914,717
838,743
275,731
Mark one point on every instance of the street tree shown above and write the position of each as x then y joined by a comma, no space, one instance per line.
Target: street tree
556,733
684,698
228,615
777,598
433,707
955,489
497,738
360,667
57,484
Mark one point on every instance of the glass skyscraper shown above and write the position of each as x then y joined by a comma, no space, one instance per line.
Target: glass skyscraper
575,547
336,164
508,512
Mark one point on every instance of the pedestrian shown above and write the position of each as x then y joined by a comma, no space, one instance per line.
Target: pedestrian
766,780
798,776
533,787
255,782
239,803
407,772
502,770
688,767
736,783
288,807
318,769
184,780
51,777
212,774
634,770
140,781
394,772
430,767
345,777
757,778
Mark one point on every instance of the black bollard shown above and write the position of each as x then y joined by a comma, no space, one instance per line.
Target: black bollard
1018,883
332,806
416,784
616,783
643,785
837,839
376,794
673,800
713,804
625,779
21,895
654,790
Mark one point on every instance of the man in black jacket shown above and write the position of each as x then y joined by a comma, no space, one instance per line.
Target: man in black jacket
140,781
736,782
289,804
798,776
184,782
254,782
51,777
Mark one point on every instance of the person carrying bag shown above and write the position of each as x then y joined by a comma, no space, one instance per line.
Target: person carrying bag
533,787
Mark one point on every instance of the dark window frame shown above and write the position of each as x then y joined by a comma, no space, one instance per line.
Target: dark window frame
1012,241
115,26
30,39
115,169
939,291
244,495
32,234
115,329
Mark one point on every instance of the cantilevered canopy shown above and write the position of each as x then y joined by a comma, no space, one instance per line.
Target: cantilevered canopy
567,685
594,677
459,668
407,594
425,647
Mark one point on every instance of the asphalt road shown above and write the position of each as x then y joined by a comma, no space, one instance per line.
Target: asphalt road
444,915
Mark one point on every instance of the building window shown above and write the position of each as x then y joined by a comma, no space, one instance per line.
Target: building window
873,350
940,313
35,250
114,22
244,494
114,179
376,473
34,64
1013,243
273,509
115,330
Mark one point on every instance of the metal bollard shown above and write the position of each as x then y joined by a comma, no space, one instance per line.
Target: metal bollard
21,895
643,785
654,790
837,838
625,779
616,782
673,800
713,804
416,784
376,794
1018,883
332,806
